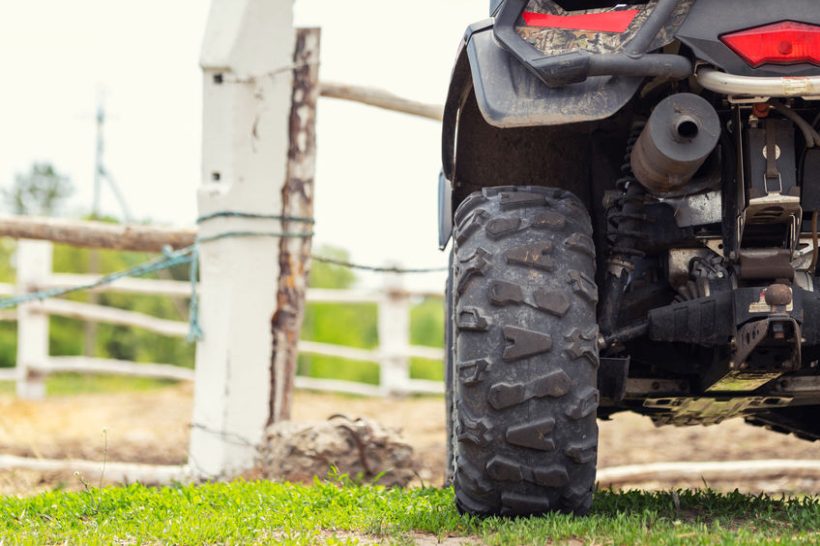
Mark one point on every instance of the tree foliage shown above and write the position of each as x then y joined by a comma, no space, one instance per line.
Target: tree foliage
40,192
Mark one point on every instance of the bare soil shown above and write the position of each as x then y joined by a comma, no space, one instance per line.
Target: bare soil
153,427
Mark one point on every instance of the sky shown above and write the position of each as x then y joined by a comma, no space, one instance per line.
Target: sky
376,170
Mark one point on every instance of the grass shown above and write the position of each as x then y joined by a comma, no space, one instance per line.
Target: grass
344,513
71,384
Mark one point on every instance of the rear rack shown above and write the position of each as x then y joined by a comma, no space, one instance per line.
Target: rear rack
577,66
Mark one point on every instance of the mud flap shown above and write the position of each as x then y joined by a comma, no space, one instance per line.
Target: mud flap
510,96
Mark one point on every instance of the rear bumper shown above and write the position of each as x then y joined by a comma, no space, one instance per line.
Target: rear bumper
749,86
578,66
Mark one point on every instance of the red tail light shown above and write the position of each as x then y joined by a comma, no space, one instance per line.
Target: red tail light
788,42
608,21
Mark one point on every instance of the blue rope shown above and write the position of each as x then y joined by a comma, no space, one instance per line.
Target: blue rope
171,258
194,328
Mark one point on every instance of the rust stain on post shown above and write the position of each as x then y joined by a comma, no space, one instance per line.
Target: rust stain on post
297,201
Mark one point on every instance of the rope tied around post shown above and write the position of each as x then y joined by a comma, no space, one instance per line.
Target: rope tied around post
253,216
194,328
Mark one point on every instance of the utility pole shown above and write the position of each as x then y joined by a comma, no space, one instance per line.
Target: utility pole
101,172
99,166
90,327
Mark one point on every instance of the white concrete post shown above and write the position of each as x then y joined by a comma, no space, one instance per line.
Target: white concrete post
394,336
33,269
246,60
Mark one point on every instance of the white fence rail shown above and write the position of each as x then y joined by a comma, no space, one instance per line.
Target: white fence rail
34,361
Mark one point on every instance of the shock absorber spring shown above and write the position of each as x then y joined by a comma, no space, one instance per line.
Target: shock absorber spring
625,220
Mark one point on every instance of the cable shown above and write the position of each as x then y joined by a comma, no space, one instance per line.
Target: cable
349,265
814,239
809,133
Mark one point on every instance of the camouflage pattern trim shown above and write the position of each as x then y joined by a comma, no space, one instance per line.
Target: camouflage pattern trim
553,41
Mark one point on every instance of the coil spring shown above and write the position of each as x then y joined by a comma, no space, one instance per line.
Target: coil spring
625,216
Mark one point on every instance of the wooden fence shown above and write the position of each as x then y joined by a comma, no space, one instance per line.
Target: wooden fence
34,362
34,270
246,360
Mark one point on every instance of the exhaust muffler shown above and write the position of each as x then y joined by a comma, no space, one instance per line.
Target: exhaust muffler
681,133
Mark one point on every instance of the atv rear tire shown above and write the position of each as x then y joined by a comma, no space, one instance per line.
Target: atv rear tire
525,353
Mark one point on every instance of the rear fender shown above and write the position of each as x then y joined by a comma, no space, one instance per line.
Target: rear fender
503,126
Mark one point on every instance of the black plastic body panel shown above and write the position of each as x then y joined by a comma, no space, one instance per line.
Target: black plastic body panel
509,95
460,87
708,20
445,210
811,180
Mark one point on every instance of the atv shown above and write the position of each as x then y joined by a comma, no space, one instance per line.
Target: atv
632,192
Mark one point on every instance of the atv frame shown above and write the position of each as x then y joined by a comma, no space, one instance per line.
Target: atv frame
705,307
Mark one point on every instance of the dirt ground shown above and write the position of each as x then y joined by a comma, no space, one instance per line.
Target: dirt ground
153,426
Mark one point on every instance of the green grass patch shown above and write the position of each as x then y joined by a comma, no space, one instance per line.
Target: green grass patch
356,326
328,367
352,325
71,384
422,368
427,323
264,512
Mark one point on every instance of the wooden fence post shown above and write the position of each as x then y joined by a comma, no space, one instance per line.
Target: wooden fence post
297,202
247,64
33,269
394,336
